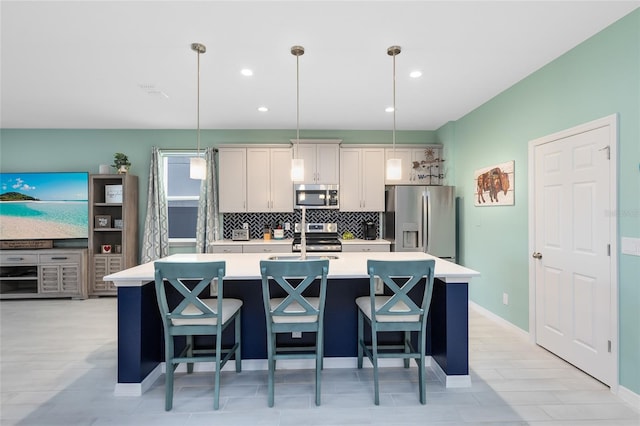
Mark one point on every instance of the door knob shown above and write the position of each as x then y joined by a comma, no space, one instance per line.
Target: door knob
537,255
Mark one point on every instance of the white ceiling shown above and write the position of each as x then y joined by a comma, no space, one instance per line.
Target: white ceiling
109,64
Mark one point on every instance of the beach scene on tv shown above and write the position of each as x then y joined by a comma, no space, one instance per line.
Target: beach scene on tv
37,206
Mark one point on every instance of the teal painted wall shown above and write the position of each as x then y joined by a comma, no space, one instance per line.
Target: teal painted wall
598,78
37,150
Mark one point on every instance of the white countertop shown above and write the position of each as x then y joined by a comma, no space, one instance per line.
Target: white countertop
247,266
356,241
290,241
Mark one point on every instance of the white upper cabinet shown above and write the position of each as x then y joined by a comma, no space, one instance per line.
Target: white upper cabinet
232,180
255,179
420,165
269,185
362,179
321,160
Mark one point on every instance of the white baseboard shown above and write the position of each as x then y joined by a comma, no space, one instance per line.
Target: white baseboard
629,396
488,314
137,389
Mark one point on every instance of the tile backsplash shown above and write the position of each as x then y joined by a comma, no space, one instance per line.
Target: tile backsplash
347,221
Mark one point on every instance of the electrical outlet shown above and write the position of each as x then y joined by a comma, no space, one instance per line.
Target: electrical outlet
287,226
379,285
245,226
296,335
505,299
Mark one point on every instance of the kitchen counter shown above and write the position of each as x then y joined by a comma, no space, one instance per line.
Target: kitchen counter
139,327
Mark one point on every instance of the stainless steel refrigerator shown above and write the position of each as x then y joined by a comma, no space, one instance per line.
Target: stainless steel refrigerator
421,218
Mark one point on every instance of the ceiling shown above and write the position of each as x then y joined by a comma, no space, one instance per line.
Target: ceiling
129,65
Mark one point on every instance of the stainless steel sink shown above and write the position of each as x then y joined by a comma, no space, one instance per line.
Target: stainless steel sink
298,257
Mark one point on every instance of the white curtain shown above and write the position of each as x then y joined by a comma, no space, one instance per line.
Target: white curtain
208,221
155,239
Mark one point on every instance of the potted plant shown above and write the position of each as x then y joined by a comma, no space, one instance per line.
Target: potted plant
121,162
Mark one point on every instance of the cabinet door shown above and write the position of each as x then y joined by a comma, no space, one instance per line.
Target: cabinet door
308,154
372,176
49,279
267,248
70,278
258,180
105,265
281,186
328,164
350,183
232,169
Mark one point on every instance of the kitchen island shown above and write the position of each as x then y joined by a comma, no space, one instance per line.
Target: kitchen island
140,346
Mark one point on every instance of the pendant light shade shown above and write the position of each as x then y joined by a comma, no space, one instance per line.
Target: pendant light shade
297,164
394,165
198,165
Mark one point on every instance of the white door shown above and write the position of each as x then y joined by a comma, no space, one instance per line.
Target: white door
572,245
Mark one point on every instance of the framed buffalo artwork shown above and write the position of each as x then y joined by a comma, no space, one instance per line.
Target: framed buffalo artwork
495,185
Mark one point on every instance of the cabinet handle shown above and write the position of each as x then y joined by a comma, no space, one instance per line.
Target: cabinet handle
15,259
266,250
59,257
366,249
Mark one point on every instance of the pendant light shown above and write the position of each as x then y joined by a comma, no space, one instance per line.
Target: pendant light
198,165
394,165
297,164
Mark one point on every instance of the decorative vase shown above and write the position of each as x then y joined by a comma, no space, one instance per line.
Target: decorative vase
123,169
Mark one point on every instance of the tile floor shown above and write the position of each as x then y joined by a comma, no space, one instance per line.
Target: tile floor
58,366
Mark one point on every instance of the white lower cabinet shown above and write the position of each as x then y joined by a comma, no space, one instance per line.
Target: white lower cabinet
235,247
365,247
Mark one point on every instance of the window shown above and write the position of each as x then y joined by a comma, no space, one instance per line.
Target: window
182,194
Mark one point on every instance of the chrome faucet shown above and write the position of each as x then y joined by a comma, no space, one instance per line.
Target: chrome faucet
303,235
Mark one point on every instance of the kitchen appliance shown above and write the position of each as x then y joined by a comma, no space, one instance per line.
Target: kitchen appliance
369,230
421,218
315,196
240,235
321,237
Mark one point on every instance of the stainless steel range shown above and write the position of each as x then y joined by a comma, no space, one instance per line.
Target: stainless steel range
321,237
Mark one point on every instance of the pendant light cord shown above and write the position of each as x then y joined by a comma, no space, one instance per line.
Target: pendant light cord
198,108
394,104
297,104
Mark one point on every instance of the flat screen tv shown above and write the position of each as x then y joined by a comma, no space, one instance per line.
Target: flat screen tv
44,206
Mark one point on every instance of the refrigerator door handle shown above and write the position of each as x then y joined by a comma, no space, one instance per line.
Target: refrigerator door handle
426,221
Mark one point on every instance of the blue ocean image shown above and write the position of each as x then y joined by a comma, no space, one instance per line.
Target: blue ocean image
67,212
44,205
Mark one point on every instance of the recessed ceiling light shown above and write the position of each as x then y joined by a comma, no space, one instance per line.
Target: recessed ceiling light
415,74
263,109
246,72
388,109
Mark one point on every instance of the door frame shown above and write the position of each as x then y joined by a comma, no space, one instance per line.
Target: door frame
612,122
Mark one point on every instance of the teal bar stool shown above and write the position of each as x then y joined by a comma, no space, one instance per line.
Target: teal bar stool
185,313
301,310
396,311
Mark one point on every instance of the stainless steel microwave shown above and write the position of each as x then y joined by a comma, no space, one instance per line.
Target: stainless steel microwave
316,196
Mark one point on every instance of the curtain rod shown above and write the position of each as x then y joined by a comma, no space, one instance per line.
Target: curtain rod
180,150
